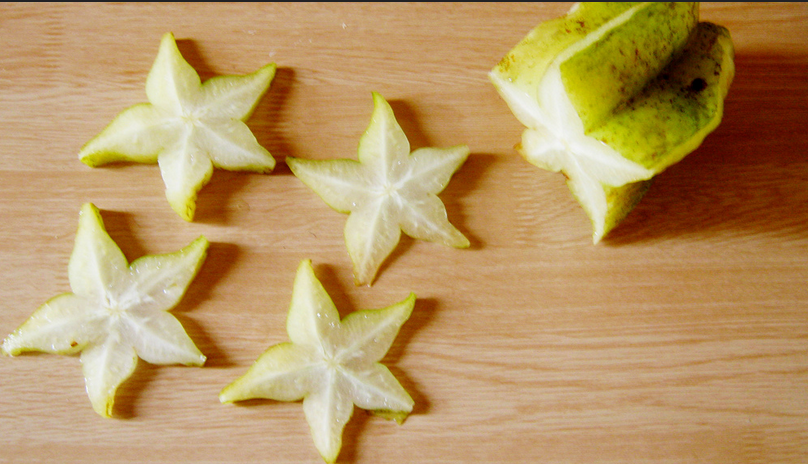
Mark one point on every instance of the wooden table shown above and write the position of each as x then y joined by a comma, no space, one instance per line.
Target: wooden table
682,338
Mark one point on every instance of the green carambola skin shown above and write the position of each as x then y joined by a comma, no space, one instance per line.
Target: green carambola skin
621,200
526,63
618,65
671,116
604,75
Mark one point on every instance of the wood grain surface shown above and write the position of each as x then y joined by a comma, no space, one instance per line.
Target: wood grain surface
682,338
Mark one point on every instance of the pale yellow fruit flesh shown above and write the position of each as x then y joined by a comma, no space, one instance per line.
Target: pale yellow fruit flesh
330,364
387,191
116,313
188,127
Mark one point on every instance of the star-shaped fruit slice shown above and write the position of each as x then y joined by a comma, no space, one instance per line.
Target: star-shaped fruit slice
614,93
187,127
330,364
116,313
387,191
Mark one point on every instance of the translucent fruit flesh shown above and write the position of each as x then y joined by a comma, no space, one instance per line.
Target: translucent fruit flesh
116,313
188,127
387,191
330,364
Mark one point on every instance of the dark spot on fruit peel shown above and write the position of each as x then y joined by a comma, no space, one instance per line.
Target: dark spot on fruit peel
698,85
73,344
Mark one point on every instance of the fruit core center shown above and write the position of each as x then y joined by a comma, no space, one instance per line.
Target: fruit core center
112,305
189,119
332,363
386,189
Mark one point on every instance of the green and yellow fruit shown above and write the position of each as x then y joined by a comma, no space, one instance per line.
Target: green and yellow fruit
614,93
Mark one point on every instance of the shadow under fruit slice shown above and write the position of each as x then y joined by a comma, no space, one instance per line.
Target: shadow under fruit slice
187,127
330,364
116,313
612,94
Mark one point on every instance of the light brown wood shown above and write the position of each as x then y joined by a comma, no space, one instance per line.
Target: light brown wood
683,338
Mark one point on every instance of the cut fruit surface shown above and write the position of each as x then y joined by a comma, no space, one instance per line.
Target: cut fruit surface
117,311
387,191
187,127
330,364
612,94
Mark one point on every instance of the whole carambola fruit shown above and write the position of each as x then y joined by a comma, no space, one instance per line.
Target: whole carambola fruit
614,93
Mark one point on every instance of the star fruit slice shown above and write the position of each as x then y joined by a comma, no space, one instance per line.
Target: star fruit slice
387,191
614,93
187,127
116,313
330,364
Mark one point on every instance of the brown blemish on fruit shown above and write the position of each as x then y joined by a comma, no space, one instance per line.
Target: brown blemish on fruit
697,85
